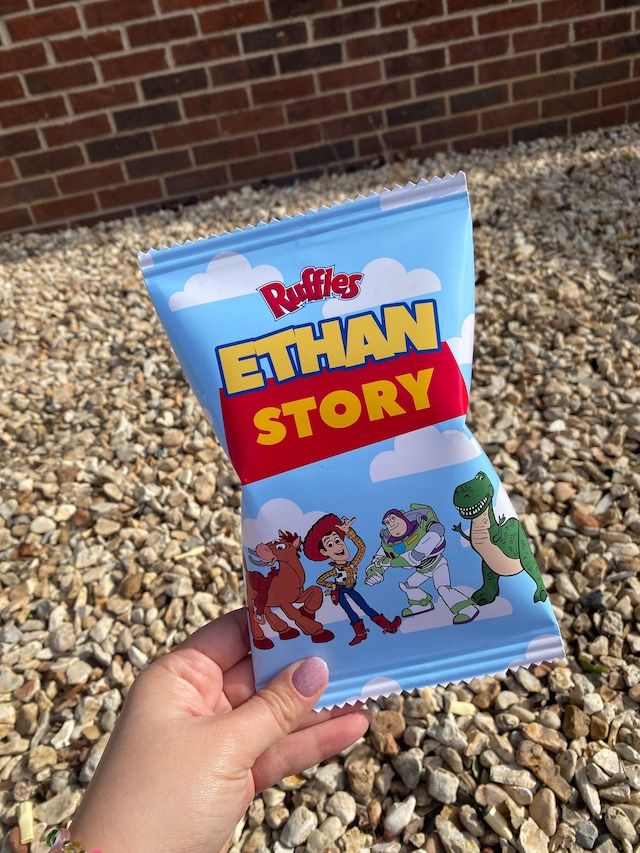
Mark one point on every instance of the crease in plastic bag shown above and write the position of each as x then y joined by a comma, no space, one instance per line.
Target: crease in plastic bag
332,352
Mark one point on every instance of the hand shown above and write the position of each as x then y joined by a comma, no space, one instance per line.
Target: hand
346,524
457,528
373,578
195,742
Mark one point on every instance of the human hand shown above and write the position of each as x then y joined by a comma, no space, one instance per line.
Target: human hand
373,578
194,743
346,524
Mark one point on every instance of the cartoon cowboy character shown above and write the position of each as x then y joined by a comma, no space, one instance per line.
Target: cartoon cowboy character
326,541
415,540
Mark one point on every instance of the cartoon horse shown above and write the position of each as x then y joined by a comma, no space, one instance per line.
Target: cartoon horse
282,588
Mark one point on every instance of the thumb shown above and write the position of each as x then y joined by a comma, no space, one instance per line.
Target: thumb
281,706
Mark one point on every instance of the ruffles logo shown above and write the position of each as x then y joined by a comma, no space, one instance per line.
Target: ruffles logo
315,283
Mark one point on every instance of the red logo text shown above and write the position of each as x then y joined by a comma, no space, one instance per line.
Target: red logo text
315,283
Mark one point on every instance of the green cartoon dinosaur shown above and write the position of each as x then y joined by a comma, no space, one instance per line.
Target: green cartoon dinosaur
502,544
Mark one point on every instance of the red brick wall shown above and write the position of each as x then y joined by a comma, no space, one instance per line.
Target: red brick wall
114,106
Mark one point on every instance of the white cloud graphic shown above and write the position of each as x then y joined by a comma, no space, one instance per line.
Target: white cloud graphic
440,616
374,689
385,280
423,450
228,275
546,647
462,346
274,515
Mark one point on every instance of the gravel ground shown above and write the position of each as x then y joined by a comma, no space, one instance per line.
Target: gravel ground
119,527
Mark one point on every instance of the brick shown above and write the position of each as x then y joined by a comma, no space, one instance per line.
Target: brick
554,10
520,15
158,164
116,11
633,112
507,69
79,47
66,209
496,139
379,44
596,75
409,10
115,147
227,150
620,93
205,50
445,81
137,117
540,37
620,46
220,101
607,25
283,90
257,119
274,38
75,131
60,78
310,57
324,154
18,143
7,172
92,100
26,191
346,127
461,5
245,69
174,135
338,26
137,64
11,88
198,180
542,84
233,17
161,30
91,178
443,31
32,111
262,167
15,219
50,162
293,8
423,60
290,138
478,98
596,120
578,54
508,116
10,7
386,93
182,5
619,4
449,128
316,108
416,111
130,194
540,130
24,56
368,72
40,3
478,49
174,84
37,25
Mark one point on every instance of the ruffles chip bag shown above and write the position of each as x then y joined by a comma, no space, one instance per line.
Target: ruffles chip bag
332,353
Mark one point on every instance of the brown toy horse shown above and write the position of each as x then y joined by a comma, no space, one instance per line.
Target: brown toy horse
282,588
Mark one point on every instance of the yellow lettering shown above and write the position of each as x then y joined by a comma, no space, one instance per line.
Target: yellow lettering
328,344
275,346
271,430
300,410
365,337
401,325
346,400
380,399
418,387
240,367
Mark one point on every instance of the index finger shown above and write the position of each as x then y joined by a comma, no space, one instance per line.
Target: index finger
225,641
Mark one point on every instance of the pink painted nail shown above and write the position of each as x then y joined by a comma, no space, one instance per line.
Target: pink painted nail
311,676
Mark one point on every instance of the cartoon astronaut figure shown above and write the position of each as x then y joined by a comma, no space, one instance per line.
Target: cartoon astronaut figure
415,540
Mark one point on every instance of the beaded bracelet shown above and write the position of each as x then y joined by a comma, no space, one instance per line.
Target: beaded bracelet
59,840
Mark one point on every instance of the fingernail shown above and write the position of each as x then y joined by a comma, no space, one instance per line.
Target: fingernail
310,676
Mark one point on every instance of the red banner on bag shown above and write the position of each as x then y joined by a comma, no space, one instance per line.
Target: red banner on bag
290,424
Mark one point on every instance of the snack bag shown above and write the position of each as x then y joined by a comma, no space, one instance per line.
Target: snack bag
332,352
